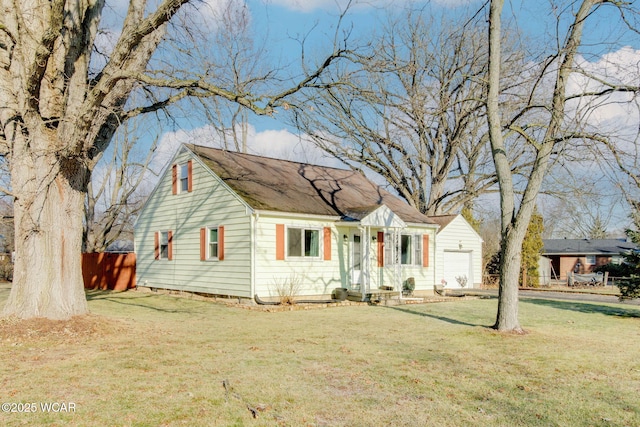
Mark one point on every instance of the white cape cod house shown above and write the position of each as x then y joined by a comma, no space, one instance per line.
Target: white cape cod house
227,223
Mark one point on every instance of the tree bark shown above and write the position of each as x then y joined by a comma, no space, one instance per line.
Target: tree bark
48,224
515,218
507,316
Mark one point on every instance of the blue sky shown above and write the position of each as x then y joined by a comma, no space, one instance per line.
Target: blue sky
279,22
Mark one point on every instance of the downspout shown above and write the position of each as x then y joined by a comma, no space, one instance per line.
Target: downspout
435,257
254,225
400,284
364,286
398,259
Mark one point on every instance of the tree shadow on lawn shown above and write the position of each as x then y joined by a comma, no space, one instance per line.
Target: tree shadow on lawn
434,316
583,307
124,298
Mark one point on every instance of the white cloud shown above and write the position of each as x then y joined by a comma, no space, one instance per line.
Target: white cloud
276,143
614,113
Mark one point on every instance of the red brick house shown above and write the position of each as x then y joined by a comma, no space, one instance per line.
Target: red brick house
583,255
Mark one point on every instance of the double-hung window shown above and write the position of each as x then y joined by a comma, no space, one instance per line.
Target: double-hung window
303,242
184,177
182,180
212,243
163,245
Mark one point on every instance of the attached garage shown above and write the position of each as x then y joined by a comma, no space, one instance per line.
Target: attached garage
458,253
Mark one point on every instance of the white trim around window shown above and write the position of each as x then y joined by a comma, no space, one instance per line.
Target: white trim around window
304,242
212,243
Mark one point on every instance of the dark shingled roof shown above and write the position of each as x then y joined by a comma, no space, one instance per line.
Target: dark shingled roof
442,220
285,186
586,246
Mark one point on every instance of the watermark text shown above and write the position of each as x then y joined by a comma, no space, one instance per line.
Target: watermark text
26,407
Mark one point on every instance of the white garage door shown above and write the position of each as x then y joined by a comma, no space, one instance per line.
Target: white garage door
457,269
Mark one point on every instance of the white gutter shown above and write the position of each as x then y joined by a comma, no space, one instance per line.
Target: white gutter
333,218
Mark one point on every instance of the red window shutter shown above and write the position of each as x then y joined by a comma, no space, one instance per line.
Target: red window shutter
170,239
380,249
174,179
220,243
203,244
279,242
190,176
425,250
327,243
156,244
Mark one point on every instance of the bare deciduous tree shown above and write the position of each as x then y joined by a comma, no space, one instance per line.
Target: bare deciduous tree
545,122
412,111
116,195
58,114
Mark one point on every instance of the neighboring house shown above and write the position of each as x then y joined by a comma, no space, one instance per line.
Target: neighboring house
582,255
458,253
227,223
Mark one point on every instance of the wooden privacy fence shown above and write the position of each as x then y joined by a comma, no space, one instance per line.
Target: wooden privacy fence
109,271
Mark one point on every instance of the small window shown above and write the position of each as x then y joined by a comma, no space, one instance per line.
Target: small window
417,249
405,249
389,249
590,259
184,178
213,243
163,245
303,242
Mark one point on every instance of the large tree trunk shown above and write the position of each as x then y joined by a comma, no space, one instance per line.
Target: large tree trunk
48,229
510,259
507,317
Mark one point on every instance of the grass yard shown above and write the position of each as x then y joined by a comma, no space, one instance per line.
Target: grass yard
147,359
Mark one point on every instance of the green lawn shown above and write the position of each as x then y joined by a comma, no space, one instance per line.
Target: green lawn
147,359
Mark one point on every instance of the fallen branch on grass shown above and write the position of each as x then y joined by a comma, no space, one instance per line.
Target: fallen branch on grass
253,409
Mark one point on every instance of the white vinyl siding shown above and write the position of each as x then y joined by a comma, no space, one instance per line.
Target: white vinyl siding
459,241
209,203
317,276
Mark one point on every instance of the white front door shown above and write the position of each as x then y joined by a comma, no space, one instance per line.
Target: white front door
356,260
